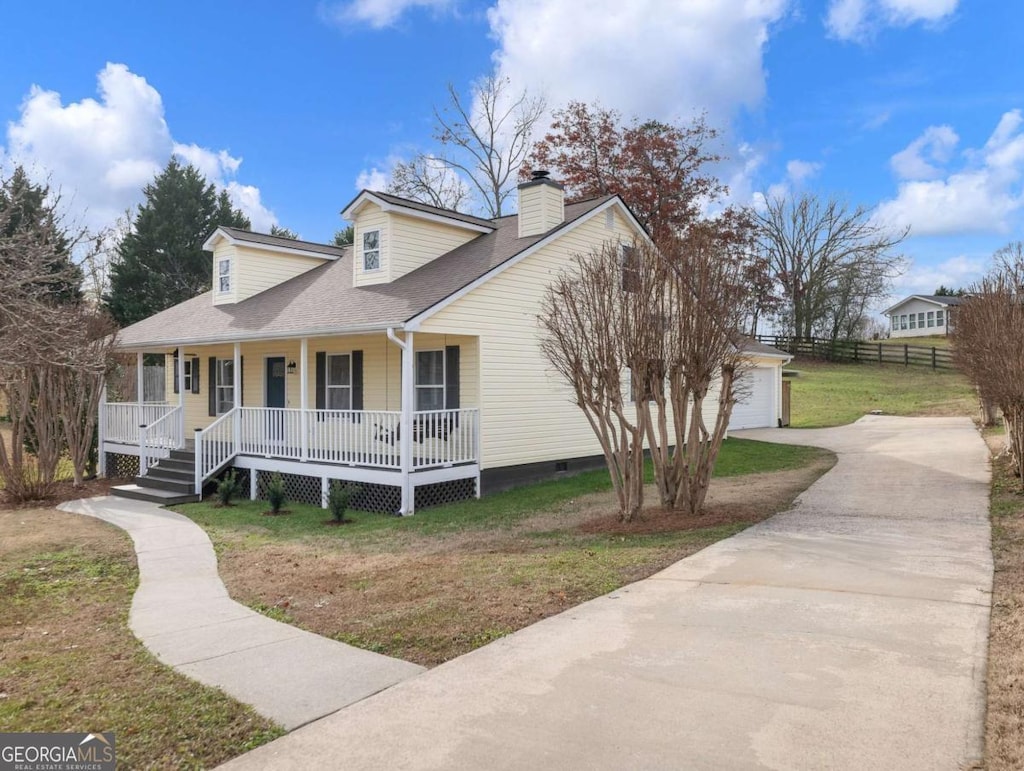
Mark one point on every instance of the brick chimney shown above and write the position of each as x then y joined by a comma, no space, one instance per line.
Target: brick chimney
541,205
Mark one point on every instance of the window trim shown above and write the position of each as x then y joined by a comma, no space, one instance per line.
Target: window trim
220,388
364,251
418,387
931,318
224,276
328,387
939,318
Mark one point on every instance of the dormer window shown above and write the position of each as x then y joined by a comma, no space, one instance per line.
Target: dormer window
371,250
224,275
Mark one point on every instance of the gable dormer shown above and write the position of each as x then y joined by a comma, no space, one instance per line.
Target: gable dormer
393,236
245,264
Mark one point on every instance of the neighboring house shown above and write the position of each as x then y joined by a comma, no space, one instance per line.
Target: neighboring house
408,363
921,315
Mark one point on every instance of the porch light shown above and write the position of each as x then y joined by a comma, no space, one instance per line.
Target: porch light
291,367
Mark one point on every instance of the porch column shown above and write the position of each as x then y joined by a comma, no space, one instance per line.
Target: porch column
181,393
304,395
236,395
408,395
101,430
139,382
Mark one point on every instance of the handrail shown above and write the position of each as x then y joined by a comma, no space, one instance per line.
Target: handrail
121,420
162,434
445,437
215,445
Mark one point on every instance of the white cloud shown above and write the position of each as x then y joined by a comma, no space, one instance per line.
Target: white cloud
376,13
647,58
920,159
798,171
858,20
982,197
955,272
101,152
373,179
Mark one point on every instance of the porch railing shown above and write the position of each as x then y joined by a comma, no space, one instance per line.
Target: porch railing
355,437
159,437
121,420
216,445
445,437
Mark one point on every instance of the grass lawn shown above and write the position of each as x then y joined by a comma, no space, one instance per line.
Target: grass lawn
836,394
431,587
1004,732
68,661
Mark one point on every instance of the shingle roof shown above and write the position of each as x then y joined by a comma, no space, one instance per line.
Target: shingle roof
323,301
938,299
427,208
749,345
289,243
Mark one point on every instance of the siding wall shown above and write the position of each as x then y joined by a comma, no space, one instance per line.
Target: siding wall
382,368
416,242
371,217
919,306
221,251
527,412
257,270
541,207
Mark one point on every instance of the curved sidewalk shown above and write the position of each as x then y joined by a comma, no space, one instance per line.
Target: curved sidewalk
182,613
849,632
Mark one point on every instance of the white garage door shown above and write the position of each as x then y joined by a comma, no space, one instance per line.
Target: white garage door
755,408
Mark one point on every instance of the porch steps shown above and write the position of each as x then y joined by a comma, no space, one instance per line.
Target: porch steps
167,482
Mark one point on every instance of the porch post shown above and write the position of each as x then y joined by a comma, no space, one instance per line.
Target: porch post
181,393
304,396
139,382
101,430
408,393
236,395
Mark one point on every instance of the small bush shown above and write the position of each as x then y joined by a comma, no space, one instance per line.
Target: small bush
338,499
275,493
228,488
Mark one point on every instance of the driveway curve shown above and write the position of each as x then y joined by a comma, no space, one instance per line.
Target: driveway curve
849,632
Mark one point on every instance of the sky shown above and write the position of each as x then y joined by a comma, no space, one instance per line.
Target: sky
912,108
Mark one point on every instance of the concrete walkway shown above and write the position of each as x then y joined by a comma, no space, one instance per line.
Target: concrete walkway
847,633
182,613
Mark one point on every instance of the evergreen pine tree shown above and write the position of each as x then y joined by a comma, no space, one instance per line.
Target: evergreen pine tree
161,262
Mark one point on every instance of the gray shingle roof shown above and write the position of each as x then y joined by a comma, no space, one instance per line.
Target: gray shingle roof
323,301
425,207
289,243
750,345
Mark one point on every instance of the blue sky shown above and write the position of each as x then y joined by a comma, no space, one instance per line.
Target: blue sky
909,106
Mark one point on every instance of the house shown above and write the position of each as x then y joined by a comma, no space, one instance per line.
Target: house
921,315
408,363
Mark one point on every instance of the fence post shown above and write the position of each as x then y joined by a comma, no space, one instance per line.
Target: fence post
906,355
879,353
142,450
198,450
933,357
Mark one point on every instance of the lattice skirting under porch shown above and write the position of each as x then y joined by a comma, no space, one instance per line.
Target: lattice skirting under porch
120,466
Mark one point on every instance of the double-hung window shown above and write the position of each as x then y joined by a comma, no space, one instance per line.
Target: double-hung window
913,321
224,275
429,380
371,250
931,318
225,385
920,320
903,321
939,322
338,385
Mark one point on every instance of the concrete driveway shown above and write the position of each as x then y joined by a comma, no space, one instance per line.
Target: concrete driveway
847,633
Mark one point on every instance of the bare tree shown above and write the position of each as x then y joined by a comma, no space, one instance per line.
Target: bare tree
483,142
988,344
832,262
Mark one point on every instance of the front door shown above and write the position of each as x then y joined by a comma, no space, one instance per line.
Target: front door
275,398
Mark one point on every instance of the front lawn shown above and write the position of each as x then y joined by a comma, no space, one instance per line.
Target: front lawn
826,394
68,661
431,587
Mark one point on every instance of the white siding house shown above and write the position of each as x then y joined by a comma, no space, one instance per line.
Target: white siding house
922,315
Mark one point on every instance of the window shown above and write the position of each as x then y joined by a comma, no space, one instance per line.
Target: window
931,318
371,250
429,380
225,385
913,321
920,320
938,319
630,269
895,321
338,385
224,275
903,321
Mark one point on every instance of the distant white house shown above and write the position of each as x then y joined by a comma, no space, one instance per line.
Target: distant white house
921,315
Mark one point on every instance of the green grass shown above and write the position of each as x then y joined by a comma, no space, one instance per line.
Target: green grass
737,457
836,394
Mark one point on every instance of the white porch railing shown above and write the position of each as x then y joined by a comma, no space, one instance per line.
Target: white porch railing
159,437
121,420
355,437
216,445
445,437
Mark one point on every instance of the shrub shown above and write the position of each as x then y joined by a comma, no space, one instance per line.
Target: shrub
228,488
338,499
275,493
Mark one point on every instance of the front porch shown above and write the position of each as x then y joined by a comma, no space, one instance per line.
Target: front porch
335,433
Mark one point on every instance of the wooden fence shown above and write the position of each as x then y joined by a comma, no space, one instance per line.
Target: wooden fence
863,351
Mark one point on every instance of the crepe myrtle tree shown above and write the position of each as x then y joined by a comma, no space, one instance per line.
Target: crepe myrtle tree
647,338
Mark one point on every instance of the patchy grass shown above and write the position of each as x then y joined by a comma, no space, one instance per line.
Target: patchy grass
1004,730
828,394
431,587
68,661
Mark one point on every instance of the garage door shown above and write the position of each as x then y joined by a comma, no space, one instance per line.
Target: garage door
755,408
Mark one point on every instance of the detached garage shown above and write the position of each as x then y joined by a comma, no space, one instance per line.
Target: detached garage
760,402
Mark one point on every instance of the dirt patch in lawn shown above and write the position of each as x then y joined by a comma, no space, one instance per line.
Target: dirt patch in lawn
430,598
69,662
